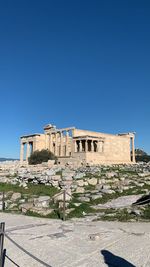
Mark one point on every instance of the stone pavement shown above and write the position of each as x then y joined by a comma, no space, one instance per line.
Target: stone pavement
78,243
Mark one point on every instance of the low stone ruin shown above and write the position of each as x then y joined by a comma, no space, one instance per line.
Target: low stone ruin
87,184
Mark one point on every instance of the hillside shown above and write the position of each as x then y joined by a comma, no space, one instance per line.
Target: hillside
7,159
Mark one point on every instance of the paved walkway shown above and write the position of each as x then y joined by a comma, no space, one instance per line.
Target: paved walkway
42,242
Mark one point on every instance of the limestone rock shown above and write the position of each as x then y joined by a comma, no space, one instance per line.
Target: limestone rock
50,172
97,196
111,174
41,211
25,207
108,191
120,202
80,182
84,199
92,181
79,175
80,190
42,201
15,196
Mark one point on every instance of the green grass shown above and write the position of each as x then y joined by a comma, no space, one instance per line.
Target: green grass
53,215
89,187
120,215
129,172
38,190
146,213
59,173
78,211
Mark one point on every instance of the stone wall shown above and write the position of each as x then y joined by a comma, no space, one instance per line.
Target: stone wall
116,148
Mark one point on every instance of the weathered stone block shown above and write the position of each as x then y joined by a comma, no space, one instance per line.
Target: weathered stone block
42,201
92,181
80,190
15,196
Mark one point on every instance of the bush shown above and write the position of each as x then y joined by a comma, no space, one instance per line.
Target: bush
144,158
38,157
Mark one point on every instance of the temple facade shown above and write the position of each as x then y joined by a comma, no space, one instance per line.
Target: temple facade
80,146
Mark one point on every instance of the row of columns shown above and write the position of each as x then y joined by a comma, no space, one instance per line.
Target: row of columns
53,145
28,151
99,146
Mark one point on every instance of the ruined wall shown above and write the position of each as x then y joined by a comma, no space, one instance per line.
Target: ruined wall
39,142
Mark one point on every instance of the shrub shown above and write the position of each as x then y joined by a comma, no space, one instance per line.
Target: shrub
144,158
38,157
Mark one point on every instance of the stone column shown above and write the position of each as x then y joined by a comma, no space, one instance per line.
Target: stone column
67,140
133,149
56,144
86,145
80,146
98,150
75,146
50,142
61,144
96,143
92,146
21,152
28,151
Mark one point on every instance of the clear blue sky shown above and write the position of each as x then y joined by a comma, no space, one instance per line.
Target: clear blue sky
74,63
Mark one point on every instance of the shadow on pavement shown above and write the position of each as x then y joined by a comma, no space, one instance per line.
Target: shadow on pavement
114,261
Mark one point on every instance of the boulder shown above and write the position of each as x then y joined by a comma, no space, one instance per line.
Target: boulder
84,199
60,197
80,182
41,211
15,196
42,201
50,172
107,191
97,196
120,202
56,177
111,174
25,207
80,190
79,175
92,181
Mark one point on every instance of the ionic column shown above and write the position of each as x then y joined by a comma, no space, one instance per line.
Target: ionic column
21,152
56,144
61,144
86,145
50,142
67,139
28,151
75,146
92,146
133,149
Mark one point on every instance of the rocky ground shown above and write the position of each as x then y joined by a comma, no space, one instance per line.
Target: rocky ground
37,242
101,192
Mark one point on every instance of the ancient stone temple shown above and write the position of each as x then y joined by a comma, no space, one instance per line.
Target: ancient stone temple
73,145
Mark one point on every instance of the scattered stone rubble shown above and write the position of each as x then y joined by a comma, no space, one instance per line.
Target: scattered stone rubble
91,184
